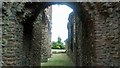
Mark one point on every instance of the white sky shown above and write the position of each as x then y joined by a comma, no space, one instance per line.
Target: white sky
60,15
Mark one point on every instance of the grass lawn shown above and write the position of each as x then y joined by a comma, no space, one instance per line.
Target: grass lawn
60,59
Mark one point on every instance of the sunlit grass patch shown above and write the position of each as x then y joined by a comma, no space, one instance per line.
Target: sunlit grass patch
58,60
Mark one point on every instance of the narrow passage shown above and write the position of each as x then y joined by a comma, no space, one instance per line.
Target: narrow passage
60,59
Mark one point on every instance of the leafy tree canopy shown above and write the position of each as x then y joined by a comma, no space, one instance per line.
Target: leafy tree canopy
58,44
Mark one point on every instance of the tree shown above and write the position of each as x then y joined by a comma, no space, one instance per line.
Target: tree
59,40
58,44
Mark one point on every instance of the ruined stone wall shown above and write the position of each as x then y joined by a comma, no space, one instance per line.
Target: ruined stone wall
12,35
70,35
1,34
97,35
78,40
71,41
19,45
105,17
41,39
80,52
37,40
86,31
48,13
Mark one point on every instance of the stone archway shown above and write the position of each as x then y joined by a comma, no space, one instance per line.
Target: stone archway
97,32
35,51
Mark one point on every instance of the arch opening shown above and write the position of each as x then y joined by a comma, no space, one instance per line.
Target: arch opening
58,15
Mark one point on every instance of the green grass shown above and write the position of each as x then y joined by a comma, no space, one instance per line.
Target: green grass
58,60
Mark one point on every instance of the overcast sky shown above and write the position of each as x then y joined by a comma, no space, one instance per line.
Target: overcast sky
60,15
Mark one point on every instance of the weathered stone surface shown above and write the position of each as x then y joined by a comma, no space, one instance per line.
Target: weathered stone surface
42,38
12,33
95,34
